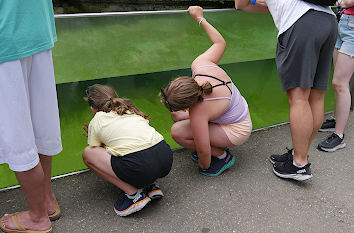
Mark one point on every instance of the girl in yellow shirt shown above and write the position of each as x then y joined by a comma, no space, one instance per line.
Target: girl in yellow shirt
124,149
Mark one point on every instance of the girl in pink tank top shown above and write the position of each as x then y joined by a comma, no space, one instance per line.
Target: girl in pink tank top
210,113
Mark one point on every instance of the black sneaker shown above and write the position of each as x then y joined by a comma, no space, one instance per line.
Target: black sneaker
332,143
154,192
217,166
282,158
328,125
126,206
194,156
287,170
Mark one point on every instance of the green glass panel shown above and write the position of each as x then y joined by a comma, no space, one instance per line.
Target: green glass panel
257,81
94,48
138,55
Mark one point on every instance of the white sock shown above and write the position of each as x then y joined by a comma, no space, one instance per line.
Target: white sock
340,135
298,166
134,195
222,156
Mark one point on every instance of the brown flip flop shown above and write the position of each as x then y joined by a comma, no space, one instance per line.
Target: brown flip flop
19,227
56,215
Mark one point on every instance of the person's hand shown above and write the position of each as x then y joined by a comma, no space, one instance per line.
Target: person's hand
262,3
85,128
196,12
180,115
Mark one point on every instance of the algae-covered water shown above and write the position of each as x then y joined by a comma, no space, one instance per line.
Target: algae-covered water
261,88
138,55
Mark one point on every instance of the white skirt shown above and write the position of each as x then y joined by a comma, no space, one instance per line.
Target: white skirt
29,118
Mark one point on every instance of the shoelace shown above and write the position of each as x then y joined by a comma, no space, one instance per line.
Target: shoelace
289,150
332,137
137,198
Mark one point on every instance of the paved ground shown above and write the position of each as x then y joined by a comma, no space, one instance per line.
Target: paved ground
246,198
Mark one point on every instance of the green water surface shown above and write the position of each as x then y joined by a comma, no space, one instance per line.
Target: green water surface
102,47
138,55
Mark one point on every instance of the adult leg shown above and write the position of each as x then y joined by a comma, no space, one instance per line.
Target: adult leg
99,161
301,122
18,128
49,197
335,56
32,184
343,72
316,101
44,116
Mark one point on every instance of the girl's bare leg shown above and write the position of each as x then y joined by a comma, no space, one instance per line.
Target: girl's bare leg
343,71
99,161
181,132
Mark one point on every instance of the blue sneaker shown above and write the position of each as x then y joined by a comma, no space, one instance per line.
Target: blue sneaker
217,166
154,192
126,206
194,156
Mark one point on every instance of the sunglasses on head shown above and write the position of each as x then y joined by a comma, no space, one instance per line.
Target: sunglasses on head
167,103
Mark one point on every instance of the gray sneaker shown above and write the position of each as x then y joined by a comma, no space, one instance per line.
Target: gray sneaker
328,125
332,143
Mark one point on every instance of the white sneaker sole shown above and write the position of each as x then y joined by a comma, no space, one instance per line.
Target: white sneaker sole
156,194
133,208
326,130
293,176
340,146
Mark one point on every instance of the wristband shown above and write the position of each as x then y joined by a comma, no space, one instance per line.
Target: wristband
201,20
253,2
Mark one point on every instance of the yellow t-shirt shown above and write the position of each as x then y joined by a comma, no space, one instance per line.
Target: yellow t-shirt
121,135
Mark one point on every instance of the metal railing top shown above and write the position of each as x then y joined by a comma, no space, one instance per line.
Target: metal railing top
165,12
125,13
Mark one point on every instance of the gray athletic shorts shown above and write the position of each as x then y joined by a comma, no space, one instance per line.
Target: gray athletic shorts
304,51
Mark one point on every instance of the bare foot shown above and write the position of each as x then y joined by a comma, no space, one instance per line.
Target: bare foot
25,220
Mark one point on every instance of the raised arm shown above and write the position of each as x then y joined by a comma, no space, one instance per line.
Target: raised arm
215,52
255,6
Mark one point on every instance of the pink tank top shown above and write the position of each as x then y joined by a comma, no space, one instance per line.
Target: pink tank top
349,11
238,108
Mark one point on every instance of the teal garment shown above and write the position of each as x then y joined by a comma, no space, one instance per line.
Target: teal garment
27,27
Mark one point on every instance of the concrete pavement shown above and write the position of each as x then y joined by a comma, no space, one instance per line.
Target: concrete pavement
246,198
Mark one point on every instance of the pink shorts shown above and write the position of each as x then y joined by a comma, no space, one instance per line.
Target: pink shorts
238,133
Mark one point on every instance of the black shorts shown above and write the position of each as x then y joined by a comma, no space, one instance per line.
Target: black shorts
144,167
304,51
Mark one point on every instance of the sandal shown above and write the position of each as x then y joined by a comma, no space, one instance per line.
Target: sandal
19,227
56,215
